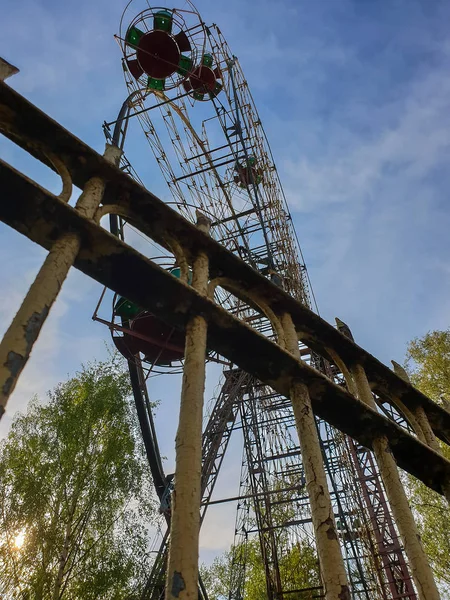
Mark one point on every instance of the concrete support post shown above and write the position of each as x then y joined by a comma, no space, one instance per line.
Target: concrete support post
432,441
419,419
18,341
426,434
420,568
423,422
7,69
182,570
411,417
331,562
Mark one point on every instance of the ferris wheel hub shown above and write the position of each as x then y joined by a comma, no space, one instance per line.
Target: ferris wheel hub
158,54
203,79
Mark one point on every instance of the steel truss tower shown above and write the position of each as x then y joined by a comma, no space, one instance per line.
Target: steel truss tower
194,105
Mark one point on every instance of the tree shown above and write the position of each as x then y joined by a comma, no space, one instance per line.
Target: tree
428,364
298,562
298,569
75,493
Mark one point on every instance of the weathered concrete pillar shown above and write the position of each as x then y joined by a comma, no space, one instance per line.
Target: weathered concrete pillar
411,417
331,562
182,571
428,437
7,69
432,441
426,434
424,424
420,568
18,341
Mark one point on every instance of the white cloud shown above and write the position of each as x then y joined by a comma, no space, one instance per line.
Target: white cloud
377,204
403,153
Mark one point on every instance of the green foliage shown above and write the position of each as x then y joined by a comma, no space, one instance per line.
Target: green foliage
217,577
428,364
298,563
298,569
75,484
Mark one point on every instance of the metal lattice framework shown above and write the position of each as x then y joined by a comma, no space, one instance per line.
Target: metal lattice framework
250,217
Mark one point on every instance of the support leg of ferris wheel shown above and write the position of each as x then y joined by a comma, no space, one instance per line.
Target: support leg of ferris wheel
328,547
420,567
182,568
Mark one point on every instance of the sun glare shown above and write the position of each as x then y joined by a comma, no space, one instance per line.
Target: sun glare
19,539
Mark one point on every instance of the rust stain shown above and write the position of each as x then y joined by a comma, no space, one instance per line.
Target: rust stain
178,584
14,364
345,593
15,361
33,327
331,533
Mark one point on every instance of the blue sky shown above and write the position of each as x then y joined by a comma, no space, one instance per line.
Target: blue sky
355,98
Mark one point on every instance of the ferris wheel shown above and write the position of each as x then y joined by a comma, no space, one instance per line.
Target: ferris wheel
193,103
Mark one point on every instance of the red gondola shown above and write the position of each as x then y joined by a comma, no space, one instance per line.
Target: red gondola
144,333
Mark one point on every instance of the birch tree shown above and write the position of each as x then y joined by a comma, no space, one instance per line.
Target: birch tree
428,364
75,493
298,569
